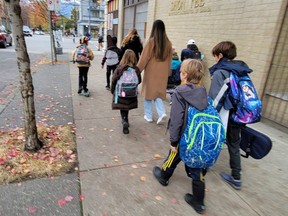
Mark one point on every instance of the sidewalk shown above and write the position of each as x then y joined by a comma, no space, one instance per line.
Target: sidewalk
53,103
116,169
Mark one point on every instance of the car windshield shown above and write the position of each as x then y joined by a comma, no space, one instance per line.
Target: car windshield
26,28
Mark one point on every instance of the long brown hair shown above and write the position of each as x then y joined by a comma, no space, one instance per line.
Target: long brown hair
162,45
132,33
128,59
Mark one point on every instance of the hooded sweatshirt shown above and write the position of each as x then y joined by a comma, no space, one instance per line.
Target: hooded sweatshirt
221,71
185,94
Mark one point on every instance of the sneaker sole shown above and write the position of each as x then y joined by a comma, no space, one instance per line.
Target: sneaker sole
231,184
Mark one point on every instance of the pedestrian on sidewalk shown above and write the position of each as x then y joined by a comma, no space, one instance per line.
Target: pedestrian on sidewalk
156,61
100,42
132,41
191,51
111,57
126,75
82,55
191,92
224,53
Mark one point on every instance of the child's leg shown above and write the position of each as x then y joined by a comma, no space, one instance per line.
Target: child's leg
196,199
85,78
233,143
124,116
164,173
108,74
80,81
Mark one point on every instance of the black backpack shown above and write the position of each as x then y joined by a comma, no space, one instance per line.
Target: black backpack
196,54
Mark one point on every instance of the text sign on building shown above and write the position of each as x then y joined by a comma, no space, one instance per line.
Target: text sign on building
54,5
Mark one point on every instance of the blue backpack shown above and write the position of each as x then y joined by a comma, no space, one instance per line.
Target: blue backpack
203,137
244,98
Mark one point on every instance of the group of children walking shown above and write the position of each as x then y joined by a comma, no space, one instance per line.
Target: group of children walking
127,77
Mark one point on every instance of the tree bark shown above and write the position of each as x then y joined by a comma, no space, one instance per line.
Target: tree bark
32,143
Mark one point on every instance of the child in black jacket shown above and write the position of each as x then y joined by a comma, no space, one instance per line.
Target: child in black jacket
111,57
123,103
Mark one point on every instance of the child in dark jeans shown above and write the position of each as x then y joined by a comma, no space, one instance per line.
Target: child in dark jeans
111,58
83,68
124,104
224,53
192,93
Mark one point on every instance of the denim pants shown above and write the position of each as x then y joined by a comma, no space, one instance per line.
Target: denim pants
148,109
233,143
83,78
108,73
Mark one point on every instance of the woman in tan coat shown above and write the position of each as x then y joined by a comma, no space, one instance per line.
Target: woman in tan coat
155,60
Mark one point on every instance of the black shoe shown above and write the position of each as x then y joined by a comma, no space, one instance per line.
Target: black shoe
107,87
157,174
125,128
79,90
198,207
125,122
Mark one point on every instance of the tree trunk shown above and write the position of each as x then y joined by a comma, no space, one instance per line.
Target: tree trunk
32,143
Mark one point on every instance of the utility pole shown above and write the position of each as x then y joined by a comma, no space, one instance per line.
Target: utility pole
89,11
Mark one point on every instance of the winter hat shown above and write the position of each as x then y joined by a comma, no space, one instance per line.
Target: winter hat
191,41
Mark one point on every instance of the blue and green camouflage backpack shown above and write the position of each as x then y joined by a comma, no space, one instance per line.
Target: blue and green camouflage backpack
203,137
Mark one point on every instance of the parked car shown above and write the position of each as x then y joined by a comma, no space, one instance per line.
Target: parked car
5,37
39,32
27,31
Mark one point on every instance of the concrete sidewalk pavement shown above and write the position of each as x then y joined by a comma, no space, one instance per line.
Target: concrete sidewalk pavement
116,169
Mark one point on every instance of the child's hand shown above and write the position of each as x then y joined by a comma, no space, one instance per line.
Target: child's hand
173,149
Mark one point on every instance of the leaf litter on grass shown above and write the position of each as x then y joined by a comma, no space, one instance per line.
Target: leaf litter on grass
58,155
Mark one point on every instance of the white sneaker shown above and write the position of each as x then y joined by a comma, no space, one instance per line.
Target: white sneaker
162,119
147,119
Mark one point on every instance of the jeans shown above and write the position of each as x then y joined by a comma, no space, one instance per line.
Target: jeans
124,115
233,143
148,109
83,78
108,73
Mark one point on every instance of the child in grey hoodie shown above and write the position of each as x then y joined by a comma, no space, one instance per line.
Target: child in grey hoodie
191,92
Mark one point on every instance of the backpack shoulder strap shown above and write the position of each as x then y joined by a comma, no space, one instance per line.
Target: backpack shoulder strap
222,91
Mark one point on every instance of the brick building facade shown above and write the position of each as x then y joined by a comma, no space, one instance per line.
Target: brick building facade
257,27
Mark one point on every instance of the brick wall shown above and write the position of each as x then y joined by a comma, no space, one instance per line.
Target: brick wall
252,25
